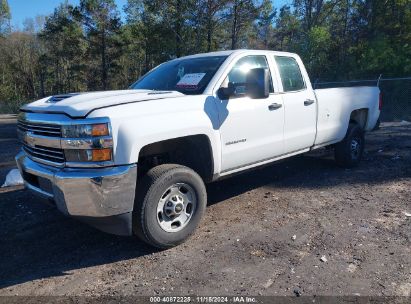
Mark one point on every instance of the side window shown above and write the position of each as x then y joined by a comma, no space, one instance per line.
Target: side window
290,74
237,75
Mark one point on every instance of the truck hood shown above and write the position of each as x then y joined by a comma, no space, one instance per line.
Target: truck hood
81,104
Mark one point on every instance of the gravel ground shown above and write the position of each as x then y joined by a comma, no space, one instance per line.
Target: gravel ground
300,226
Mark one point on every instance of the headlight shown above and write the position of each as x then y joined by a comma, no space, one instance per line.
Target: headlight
89,155
86,130
85,143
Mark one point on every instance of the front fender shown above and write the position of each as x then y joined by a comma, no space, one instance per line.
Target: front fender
139,124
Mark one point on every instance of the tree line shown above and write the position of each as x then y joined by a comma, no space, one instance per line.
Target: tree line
89,47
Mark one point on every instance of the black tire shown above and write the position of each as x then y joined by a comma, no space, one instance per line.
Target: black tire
377,125
150,190
344,153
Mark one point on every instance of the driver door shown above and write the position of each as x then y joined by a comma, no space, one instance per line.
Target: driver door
251,130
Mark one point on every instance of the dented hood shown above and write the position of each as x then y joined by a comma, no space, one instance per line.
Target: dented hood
81,104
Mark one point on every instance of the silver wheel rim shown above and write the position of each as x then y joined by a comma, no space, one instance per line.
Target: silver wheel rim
355,149
176,207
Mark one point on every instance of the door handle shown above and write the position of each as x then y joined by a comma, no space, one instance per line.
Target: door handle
308,102
274,106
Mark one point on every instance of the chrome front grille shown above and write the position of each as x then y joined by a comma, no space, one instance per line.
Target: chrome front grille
33,134
45,153
43,140
39,128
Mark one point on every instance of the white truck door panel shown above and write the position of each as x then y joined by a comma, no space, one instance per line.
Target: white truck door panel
300,120
300,117
252,132
251,129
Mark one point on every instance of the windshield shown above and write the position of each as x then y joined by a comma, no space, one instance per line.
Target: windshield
188,76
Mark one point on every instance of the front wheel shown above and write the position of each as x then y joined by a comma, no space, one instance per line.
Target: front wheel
348,152
170,202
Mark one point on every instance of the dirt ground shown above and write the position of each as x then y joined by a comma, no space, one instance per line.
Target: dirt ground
245,245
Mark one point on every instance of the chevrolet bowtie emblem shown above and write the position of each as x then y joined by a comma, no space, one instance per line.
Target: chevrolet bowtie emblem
29,139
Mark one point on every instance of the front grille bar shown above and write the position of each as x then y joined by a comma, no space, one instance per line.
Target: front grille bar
57,158
40,129
57,152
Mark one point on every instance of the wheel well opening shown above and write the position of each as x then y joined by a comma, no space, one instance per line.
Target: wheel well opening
359,117
191,151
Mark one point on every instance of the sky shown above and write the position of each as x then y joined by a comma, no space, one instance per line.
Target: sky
22,9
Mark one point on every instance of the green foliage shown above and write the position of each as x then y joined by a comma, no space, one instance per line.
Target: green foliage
286,31
264,25
316,49
239,17
102,25
87,47
62,64
5,17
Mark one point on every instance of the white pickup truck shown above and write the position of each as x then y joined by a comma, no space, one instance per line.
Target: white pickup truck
136,161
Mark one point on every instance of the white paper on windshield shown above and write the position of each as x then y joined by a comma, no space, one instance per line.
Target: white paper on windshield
190,80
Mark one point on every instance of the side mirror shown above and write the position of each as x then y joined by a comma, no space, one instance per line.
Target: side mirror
226,93
258,83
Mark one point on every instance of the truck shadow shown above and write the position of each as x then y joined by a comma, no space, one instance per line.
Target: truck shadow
386,158
38,242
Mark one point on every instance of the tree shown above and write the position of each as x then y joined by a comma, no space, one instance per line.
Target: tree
240,16
212,18
102,24
65,43
286,31
5,17
311,12
21,53
86,47
265,22
150,31
339,22
381,32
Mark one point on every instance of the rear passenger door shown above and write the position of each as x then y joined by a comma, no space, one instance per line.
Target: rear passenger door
300,108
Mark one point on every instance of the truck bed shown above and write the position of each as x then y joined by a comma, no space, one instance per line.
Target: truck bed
335,106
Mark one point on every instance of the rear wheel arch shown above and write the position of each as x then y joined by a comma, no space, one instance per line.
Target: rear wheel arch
359,117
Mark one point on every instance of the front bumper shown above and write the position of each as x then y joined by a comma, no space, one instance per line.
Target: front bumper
102,197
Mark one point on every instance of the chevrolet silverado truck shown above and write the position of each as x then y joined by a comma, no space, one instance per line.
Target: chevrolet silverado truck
135,161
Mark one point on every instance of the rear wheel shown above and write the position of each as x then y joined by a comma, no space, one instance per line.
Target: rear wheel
377,125
170,202
348,152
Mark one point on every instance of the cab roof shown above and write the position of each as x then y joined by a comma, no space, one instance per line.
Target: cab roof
235,52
